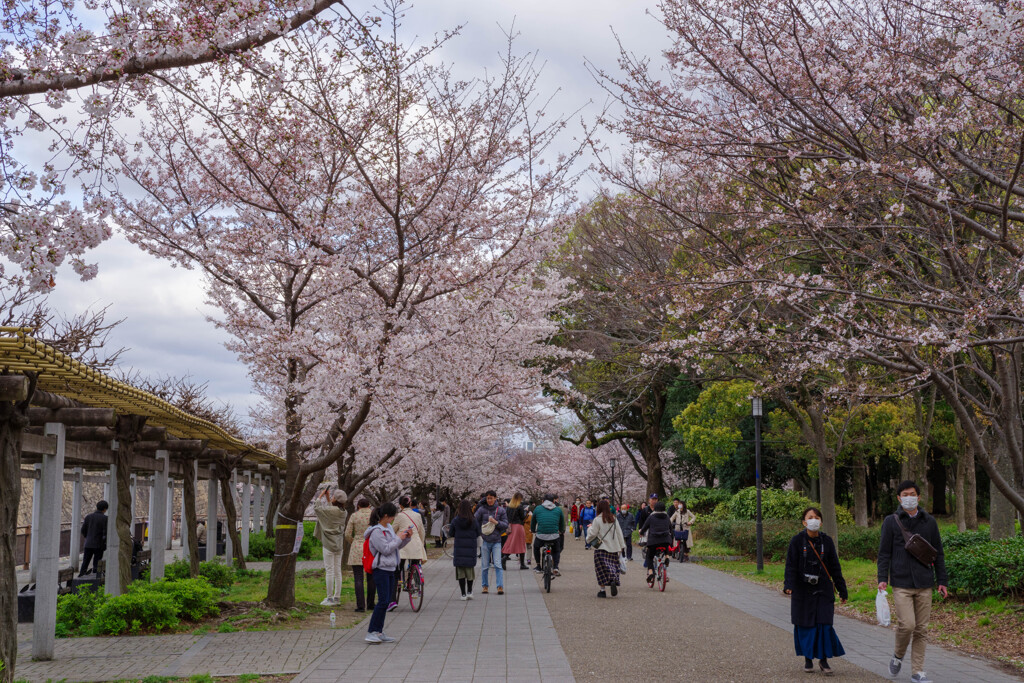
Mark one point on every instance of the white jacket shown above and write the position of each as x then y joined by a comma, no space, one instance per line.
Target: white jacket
416,549
610,534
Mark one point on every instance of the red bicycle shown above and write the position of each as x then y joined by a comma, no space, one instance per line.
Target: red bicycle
412,582
660,575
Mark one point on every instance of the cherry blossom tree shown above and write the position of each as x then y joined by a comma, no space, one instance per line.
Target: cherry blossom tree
370,229
98,60
852,174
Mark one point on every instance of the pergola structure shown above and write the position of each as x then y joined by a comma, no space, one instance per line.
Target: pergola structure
57,414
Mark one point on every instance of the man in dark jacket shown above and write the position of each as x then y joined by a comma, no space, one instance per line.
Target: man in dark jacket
658,528
94,529
491,519
912,581
627,523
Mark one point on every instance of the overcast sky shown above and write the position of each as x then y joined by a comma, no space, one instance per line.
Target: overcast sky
166,326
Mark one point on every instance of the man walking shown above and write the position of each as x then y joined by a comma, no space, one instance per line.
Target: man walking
94,529
587,515
492,521
627,523
912,579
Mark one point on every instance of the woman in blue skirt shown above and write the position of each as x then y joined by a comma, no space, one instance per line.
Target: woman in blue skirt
813,577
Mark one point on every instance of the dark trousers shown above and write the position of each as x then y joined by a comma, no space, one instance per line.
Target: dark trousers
629,549
385,582
556,552
363,601
93,554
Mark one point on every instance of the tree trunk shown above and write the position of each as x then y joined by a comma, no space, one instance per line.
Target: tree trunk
827,489
13,420
937,478
970,489
227,494
273,502
860,492
129,432
1003,514
188,490
651,453
960,489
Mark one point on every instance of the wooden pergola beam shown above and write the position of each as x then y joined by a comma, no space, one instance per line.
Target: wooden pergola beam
73,418
13,388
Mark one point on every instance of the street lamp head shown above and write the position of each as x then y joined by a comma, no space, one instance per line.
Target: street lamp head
612,462
756,406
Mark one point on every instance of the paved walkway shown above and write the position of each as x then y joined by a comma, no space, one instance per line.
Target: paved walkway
491,638
867,645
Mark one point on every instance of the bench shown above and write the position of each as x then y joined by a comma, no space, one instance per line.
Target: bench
27,595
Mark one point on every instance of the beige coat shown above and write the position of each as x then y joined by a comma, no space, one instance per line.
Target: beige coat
330,525
682,521
610,534
358,523
416,549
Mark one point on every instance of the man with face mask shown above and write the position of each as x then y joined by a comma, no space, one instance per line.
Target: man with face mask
912,580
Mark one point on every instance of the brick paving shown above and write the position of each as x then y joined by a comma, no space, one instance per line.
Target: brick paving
869,646
490,638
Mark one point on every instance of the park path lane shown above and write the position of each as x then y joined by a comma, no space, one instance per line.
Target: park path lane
683,634
491,638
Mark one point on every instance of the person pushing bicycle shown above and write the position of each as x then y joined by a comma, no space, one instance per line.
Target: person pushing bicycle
659,537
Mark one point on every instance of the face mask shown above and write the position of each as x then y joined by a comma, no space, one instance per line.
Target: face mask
908,502
813,524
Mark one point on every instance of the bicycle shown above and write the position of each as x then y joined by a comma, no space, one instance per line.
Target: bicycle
547,563
446,546
660,570
412,578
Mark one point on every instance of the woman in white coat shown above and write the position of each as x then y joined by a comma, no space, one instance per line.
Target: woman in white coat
415,552
605,536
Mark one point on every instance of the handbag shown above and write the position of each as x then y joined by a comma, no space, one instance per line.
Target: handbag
596,543
917,545
622,564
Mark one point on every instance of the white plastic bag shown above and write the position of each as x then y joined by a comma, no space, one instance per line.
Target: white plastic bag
882,608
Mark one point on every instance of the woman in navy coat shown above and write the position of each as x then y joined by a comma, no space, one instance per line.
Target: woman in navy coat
465,531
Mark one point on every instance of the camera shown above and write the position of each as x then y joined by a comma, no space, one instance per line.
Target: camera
812,579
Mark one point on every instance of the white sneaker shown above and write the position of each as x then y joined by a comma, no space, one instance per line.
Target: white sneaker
469,595
326,602
373,638
385,638
464,597
920,677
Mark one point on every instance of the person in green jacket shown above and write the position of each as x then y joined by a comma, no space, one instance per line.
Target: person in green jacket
547,526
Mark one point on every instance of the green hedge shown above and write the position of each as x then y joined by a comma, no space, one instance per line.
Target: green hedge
701,500
741,536
981,568
261,548
215,572
775,504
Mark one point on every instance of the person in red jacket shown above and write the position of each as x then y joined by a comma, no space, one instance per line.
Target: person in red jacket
574,517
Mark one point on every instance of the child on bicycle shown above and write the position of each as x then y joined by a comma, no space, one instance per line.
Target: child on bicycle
658,528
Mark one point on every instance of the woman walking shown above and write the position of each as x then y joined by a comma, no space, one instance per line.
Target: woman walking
384,545
465,532
812,578
357,525
515,544
682,519
330,531
605,536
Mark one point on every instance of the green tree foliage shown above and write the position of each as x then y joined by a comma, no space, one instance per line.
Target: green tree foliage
710,426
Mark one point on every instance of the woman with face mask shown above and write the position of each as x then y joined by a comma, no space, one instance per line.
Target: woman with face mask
813,577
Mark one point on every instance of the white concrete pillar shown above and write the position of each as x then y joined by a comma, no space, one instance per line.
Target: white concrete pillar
106,490
169,514
76,517
257,513
212,496
47,561
112,584
157,523
33,541
246,505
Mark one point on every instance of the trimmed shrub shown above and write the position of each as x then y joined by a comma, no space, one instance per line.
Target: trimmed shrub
133,612
986,568
261,548
777,504
956,541
216,573
193,598
76,611
701,500
741,536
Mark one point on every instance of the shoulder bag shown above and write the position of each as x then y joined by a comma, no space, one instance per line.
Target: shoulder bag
917,545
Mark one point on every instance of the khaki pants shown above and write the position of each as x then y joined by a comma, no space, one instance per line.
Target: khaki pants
913,610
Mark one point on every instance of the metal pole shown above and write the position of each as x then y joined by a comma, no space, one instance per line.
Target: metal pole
613,484
757,467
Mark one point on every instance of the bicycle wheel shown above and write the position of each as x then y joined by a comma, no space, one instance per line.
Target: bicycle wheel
398,585
414,587
446,546
547,572
662,576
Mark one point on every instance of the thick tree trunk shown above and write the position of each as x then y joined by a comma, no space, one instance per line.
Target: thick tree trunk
860,492
129,432
13,420
273,503
1002,514
227,494
827,489
651,452
188,490
970,489
960,490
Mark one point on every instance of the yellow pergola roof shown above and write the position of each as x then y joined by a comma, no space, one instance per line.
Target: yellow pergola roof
60,374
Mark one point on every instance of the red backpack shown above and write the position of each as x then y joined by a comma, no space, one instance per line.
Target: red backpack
367,557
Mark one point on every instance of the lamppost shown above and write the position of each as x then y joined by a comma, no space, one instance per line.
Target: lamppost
757,410
611,463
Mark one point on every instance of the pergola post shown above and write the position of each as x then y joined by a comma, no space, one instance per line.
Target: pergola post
185,530
212,494
169,514
51,488
246,505
33,541
258,502
112,584
157,523
76,517
228,494
135,500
